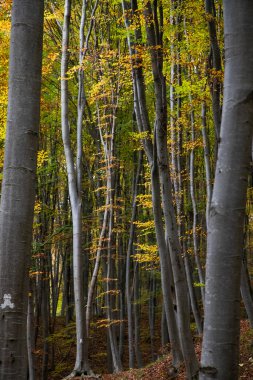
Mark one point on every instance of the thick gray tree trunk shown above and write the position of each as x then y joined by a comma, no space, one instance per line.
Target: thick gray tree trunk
226,222
18,189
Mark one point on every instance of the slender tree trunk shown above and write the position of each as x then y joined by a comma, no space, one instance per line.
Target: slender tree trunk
18,188
151,313
209,188
110,278
164,328
128,264
94,276
137,316
194,208
121,265
193,298
220,353
75,188
174,146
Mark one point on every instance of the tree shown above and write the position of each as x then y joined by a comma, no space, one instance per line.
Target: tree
74,184
226,221
75,175
18,189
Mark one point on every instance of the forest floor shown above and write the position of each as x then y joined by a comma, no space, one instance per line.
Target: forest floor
159,370
64,353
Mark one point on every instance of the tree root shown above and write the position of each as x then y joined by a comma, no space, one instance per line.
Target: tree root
82,375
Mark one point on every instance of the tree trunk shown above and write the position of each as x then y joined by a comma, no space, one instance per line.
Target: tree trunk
137,316
194,208
209,187
94,276
220,352
75,188
193,298
128,263
110,279
18,189
151,313
164,329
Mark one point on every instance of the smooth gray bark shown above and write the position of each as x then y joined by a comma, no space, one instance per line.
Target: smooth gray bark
128,263
151,313
220,353
110,275
209,187
74,171
107,136
174,146
195,209
164,328
103,231
94,276
137,315
19,179
108,148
